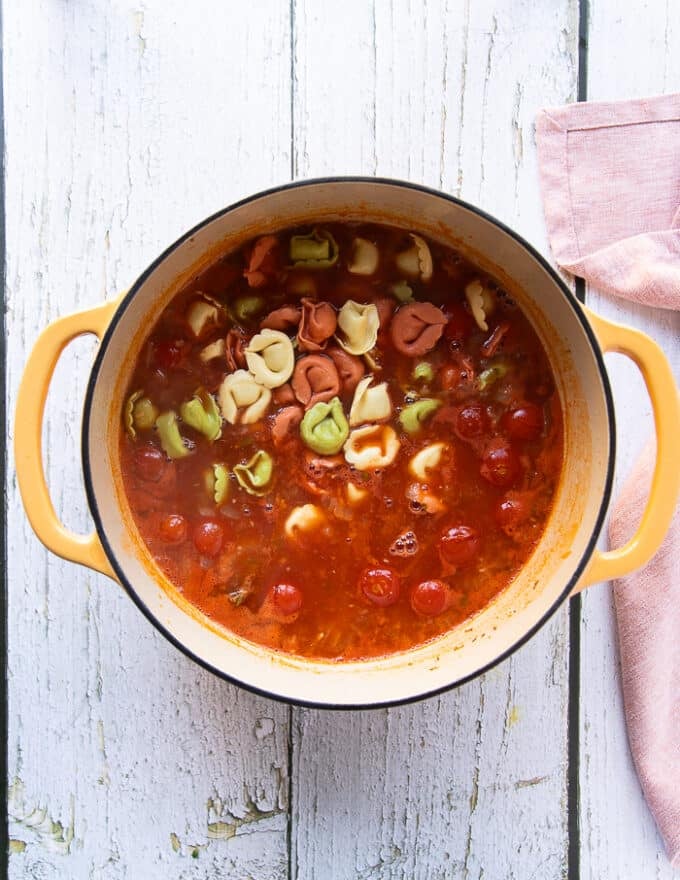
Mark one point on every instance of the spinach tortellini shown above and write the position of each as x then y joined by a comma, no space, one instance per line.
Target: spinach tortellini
201,413
256,474
324,427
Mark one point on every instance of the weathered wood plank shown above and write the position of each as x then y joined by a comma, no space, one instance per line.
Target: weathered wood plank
619,839
126,123
470,784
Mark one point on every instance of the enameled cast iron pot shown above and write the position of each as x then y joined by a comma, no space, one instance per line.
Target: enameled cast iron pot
566,559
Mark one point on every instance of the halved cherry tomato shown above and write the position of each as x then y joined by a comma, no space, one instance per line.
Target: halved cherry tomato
380,585
500,463
208,537
287,598
459,544
173,528
525,422
429,598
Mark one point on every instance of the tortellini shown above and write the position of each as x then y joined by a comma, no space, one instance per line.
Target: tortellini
371,447
203,314
370,404
481,302
256,474
270,358
303,519
412,416
242,399
416,262
358,325
140,413
355,495
201,414
364,258
170,437
324,427
426,460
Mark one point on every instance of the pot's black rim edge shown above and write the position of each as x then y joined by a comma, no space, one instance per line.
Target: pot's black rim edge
580,568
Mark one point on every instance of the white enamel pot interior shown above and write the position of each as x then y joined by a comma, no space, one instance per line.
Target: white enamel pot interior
581,500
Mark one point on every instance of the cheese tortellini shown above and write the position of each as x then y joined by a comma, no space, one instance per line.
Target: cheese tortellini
358,324
303,519
481,301
270,358
370,404
426,460
371,447
242,399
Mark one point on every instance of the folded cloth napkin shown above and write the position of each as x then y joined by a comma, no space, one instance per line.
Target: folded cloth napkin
610,176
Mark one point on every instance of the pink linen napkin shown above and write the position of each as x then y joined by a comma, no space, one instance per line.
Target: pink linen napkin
610,176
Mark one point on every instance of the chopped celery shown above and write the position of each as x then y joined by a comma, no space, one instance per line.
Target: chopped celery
492,374
423,372
402,291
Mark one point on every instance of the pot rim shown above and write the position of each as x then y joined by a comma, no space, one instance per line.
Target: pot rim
353,179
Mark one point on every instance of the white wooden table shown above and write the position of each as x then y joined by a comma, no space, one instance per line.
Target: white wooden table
128,122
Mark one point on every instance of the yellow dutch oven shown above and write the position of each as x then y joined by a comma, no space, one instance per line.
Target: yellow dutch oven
566,559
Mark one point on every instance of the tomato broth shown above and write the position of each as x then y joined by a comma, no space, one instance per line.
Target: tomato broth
340,442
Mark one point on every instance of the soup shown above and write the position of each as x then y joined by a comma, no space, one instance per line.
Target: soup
340,442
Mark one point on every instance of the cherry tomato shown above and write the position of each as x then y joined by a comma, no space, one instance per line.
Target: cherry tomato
523,423
471,421
429,598
460,323
150,463
208,537
512,510
380,585
168,353
173,528
500,464
459,544
287,598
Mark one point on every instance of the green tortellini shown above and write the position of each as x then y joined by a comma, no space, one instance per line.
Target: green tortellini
324,427
217,483
140,414
255,475
412,416
170,437
318,250
246,308
201,414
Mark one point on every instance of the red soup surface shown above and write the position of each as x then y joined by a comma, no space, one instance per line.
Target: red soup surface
340,442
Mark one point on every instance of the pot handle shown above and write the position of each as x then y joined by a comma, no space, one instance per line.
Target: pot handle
83,549
663,393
